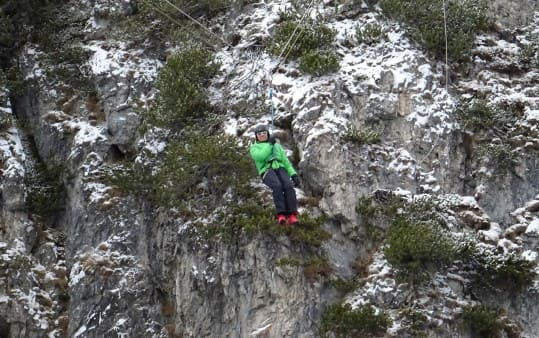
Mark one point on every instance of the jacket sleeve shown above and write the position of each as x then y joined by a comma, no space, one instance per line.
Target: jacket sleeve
281,155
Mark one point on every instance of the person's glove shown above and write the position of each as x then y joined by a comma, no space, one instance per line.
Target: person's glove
296,180
271,139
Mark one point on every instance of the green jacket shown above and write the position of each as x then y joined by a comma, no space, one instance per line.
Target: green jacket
262,152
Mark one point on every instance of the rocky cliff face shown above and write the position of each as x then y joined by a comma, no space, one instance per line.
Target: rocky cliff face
81,259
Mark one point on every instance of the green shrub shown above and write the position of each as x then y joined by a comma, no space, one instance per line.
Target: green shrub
202,166
529,54
369,211
369,34
425,19
341,321
483,321
309,37
198,168
361,136
287,261
319,63
501,155
317,267
415,248
20,263
309,233
182,84
345,286
313,268
6,121
46,192
250,216
415,322
477,114
366,207
505,272
425,208
16,83
6,30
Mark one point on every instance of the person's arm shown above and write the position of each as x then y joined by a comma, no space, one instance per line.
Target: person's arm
281,156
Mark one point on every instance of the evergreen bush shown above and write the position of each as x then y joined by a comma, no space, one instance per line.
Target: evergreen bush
510,273
425,21
6,32
317,267
415,322
477,114
500,119
314,268
6,121
361,136
341,321
182,84
205,167
319,63
501,155
310,37
251,217
369,34
416,247
46,191
483,321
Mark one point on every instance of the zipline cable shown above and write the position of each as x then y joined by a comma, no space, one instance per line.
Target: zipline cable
296,33
287,47
198,23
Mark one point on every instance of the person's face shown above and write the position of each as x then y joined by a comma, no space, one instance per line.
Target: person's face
262,136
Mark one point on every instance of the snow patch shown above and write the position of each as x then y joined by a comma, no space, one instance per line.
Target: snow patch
533,227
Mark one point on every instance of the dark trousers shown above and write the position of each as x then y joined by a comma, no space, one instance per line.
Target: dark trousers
284,195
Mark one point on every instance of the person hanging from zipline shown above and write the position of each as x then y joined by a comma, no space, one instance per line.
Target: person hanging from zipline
277,173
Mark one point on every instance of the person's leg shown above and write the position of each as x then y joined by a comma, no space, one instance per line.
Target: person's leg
272,181
289,192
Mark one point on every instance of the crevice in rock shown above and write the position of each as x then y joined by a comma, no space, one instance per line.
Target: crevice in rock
115,153
4,328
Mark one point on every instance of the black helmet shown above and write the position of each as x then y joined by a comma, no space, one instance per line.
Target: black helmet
260,128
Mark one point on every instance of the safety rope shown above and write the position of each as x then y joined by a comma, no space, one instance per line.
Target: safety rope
445,33
270,94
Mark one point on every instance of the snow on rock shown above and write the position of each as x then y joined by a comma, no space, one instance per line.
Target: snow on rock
12,154
492,234
116,60
533,227
380,286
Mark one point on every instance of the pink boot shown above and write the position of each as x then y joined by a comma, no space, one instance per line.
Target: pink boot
281,219
292,220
